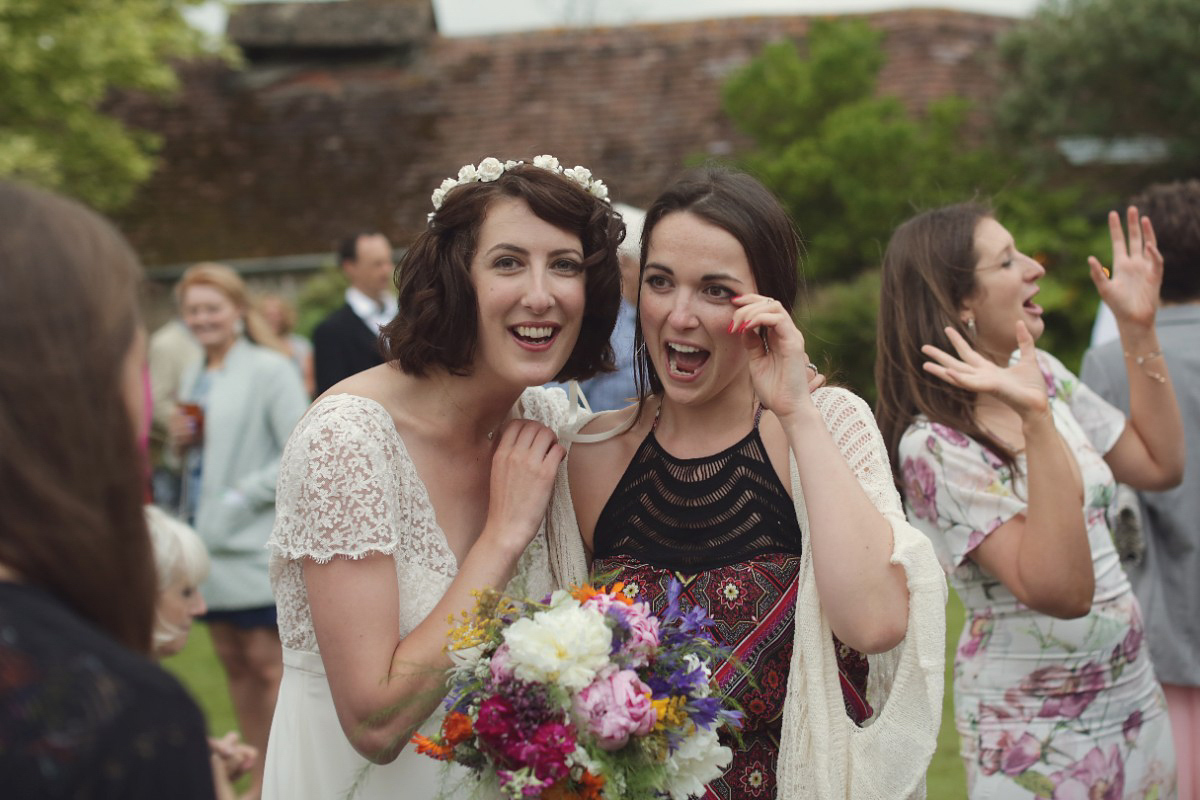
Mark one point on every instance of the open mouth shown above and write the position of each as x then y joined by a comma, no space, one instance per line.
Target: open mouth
534,335
685,360
1031,307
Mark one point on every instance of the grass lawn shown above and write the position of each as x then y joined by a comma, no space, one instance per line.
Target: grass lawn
197,667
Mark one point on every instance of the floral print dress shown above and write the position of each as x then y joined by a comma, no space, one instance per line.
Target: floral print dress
1045,707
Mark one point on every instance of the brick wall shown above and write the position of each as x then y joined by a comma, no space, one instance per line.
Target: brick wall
303,144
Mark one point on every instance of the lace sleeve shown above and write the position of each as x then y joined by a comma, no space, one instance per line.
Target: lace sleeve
342,483
853,428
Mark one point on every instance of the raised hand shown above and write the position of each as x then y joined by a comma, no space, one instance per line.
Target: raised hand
1131,289
1021,386
779,367
523,469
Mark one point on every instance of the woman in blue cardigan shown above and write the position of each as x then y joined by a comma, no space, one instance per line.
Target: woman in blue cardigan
252,396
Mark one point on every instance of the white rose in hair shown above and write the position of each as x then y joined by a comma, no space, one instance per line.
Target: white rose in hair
510,164
490,169
599,190
439,194
448,184
467,174
582,174
546,162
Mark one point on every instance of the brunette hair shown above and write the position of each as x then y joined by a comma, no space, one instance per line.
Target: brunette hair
226,281
928,271
71,477
744,208
437,325
347,246
1174,208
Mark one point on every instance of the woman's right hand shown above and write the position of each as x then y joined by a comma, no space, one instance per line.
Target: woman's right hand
181,430
523,469
1022,386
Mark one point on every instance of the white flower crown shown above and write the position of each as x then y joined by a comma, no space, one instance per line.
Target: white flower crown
492,168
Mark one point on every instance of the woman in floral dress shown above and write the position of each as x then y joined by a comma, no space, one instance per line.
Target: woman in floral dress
1007,463
773,506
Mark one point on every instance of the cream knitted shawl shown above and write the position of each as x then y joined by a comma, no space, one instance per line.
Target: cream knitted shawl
823,755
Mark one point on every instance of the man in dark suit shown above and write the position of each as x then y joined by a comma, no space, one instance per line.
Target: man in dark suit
347,341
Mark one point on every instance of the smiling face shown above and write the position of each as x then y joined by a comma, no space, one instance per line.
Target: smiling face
210,315
178,605
529,281
693,269
1005,284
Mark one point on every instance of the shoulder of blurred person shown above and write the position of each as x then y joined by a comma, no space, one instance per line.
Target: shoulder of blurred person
123,727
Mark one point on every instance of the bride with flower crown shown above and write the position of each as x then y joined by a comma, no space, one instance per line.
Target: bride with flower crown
410,485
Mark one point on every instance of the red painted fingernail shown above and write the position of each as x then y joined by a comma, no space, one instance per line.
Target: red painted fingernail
731,326
744,324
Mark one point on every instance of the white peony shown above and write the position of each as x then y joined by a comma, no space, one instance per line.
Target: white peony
564,645
490,169
700,759
546,162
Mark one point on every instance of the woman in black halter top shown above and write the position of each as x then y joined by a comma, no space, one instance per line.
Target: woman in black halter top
694,482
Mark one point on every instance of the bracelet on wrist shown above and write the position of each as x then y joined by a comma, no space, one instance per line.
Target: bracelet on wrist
1141,362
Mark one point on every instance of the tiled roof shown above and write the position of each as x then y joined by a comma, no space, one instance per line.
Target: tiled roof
287,154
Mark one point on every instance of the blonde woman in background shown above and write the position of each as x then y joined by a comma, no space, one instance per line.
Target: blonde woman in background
181,564
281,316
249,398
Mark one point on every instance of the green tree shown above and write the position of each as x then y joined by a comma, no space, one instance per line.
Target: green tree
851,165
1105,69
61,60
847,163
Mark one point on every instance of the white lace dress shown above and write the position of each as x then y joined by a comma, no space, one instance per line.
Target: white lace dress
347,488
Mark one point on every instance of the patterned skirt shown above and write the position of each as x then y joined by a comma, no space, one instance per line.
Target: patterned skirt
753,603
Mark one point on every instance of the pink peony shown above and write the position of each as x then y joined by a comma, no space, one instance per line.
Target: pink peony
920,488
1093,777
615,706
501,664
643,633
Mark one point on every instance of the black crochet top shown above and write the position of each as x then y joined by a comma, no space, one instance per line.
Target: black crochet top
694,514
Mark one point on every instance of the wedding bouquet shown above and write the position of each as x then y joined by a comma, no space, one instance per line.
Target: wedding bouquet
584,695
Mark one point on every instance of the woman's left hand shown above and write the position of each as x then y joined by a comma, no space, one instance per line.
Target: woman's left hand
1131,289
779,365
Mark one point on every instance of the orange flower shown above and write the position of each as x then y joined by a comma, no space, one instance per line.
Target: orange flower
587,788
585,593
456,728
590,786
428,747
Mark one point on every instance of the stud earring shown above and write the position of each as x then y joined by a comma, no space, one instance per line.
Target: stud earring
971,325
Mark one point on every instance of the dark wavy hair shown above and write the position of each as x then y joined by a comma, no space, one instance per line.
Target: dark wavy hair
744,208
1174,208
71,482
928,271
437,325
